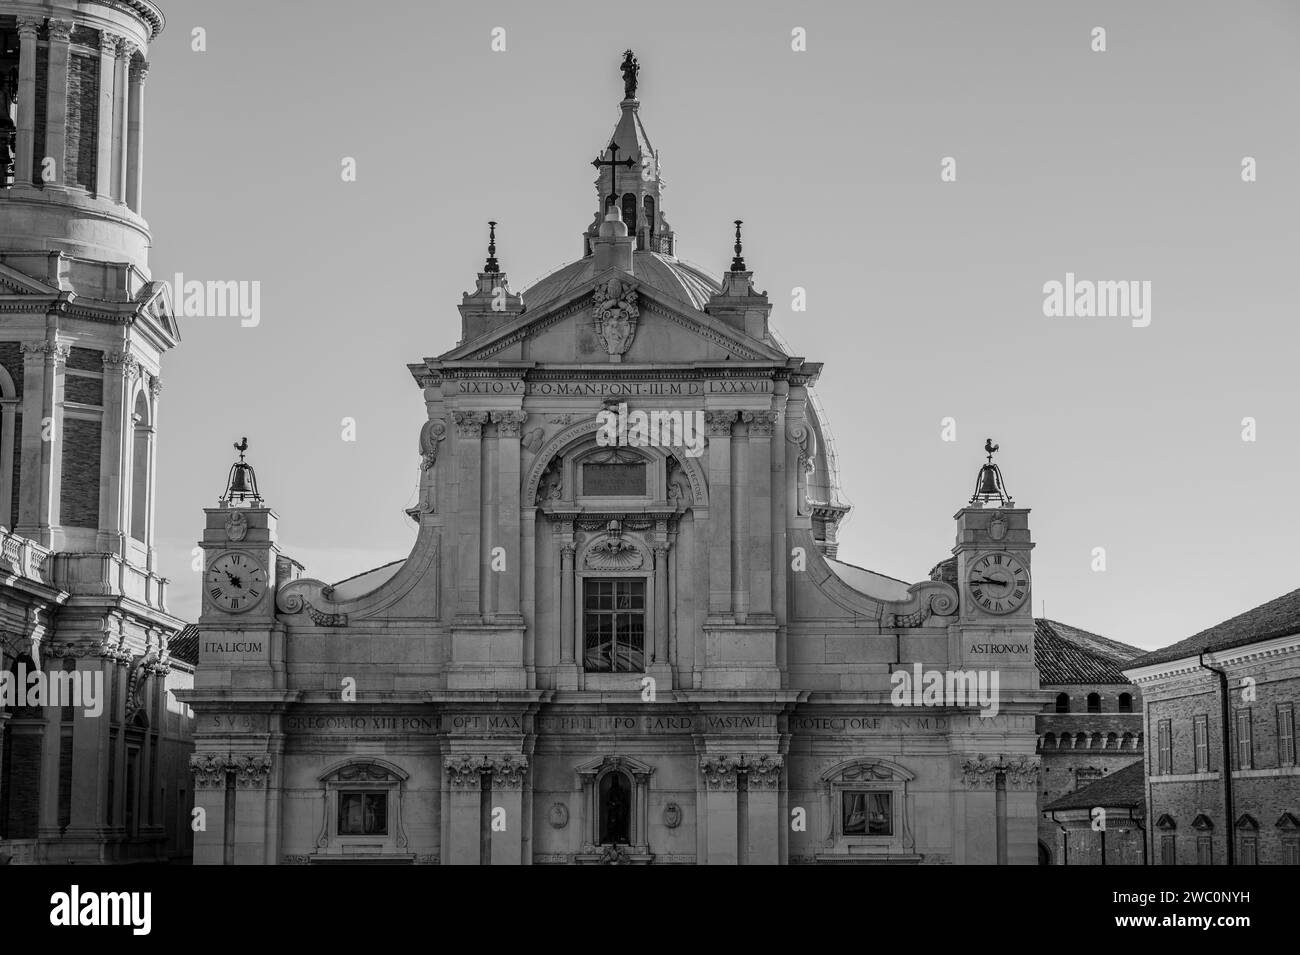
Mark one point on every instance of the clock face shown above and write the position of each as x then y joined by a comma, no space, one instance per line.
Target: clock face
235,582
998,582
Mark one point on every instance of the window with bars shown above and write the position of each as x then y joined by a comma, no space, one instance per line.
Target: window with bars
613,624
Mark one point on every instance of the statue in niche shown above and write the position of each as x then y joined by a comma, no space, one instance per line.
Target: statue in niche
617,810
551,487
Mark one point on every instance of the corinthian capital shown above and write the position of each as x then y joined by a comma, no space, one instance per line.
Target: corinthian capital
469,424
120,363
719,422
54,352
760,422
108,43
509,422
719,771
61,30
28,27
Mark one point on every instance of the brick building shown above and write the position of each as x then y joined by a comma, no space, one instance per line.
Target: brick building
83,330
1092,724
1104,822
1223,785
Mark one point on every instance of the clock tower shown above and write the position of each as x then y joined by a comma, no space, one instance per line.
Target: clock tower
240,557
993,580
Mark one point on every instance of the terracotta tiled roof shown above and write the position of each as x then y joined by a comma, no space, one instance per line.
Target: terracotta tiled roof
1123,789
1065,654
185,646
1277,618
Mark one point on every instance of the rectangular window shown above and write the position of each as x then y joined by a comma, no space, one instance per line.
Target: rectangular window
1248,854
613,625
867,814
1245,746
1166,749
1291,852
363,814
1201,733
1286,735
1204,851
1167,855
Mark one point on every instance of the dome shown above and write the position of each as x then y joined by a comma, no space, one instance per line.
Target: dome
664,274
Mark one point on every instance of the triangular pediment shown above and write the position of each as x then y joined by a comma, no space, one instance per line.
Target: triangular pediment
661,328
14,282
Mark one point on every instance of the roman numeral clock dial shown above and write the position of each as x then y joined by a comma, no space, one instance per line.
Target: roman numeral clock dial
999,583
235,582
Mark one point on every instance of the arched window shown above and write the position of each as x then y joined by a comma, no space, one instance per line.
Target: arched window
1094,703
10,447
650,217
1126,703
615,809
1063,702
629,212
142,433
1049,741
1111,739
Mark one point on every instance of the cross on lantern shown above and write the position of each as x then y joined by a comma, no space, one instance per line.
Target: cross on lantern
611,162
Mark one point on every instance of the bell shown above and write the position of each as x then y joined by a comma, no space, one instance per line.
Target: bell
988,483
239,481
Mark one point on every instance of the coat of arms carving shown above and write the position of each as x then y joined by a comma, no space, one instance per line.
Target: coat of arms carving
615,311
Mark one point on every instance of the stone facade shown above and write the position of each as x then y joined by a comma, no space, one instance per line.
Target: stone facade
82,333
621,653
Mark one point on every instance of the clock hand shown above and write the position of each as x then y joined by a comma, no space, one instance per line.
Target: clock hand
987,580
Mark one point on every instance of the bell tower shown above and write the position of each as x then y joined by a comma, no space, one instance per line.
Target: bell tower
628,177
994,581
84,327
240,573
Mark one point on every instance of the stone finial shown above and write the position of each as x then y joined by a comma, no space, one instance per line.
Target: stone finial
492,267
738,262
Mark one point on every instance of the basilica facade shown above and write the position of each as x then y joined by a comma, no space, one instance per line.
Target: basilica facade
622,634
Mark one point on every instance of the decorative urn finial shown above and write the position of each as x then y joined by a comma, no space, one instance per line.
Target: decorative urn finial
738,263
492,267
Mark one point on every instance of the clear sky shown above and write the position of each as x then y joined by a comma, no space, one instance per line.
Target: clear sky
925,298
